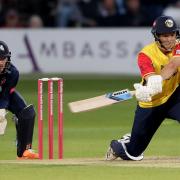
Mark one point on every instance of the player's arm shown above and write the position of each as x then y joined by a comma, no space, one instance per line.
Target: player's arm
150,78
168,70
171,67
9,86
152,82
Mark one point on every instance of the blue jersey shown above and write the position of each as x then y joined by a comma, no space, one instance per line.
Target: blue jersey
8,82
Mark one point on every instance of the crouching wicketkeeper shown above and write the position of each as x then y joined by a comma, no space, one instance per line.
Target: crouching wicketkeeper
11,100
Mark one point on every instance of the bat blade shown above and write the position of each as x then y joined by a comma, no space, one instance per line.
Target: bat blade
100,101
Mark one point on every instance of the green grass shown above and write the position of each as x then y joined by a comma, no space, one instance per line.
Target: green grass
85,172
87,134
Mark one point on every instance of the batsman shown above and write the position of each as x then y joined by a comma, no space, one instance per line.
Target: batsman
11,100
158,94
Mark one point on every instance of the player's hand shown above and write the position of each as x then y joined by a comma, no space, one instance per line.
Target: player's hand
155,83
143,93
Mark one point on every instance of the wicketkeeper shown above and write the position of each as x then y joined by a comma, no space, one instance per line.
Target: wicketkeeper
11,100
158,97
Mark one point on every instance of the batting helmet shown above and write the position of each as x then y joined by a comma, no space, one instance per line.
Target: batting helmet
4,51
164,25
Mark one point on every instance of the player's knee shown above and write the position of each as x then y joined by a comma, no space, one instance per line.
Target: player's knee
2,115
120,150
27,113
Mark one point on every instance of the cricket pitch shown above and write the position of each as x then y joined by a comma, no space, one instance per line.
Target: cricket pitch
163,162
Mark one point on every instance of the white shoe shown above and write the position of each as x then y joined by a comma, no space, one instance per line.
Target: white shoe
125,139
3,125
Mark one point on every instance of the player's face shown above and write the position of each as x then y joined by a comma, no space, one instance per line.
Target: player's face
168,40
3,64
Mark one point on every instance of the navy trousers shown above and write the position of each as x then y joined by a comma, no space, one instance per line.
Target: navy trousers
14,103
148,120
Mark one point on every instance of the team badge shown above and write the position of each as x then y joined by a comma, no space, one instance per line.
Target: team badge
169,23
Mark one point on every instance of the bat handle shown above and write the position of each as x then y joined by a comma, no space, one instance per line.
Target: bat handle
132,93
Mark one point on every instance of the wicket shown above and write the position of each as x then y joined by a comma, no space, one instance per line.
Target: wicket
50,82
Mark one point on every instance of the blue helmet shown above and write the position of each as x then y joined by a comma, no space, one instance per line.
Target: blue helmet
4,51
164,25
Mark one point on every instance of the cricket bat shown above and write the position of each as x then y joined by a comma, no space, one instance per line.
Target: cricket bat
100,101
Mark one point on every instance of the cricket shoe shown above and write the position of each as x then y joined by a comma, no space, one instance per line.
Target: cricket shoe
125,138
29,154
119,148
110,155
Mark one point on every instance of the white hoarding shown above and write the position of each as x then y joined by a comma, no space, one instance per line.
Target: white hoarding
103,51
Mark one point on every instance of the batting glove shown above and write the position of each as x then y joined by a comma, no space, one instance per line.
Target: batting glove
143,93
155,83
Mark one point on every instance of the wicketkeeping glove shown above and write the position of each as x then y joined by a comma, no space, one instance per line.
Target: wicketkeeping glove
143,93
3,121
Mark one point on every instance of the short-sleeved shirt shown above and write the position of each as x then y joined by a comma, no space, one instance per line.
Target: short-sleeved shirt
151,60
